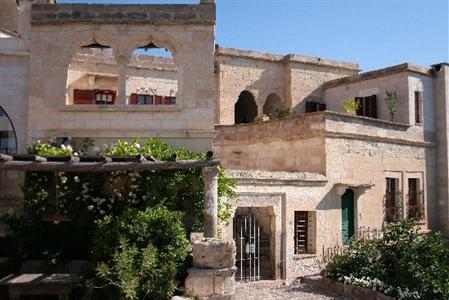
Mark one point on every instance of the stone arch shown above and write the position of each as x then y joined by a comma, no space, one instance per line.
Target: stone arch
82,78
8,137
272,103
164,90
245,110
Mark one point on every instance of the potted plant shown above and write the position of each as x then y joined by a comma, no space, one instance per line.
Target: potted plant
351,106
392,101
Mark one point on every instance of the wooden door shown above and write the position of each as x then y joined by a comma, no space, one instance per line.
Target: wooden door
347,216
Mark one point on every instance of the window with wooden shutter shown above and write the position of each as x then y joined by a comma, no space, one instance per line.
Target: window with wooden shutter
105,97
304,235
418,105
313,106
158,100
367,106
83,96
133,99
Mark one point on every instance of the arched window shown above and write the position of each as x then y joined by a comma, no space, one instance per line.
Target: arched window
272,103
245,110
8,140
92,76
152,76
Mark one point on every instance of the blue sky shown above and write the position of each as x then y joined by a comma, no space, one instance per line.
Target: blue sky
373,33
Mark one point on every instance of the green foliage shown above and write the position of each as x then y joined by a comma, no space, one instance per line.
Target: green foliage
140,252
351,106
392,102
408,265
90,200
40,148
282,113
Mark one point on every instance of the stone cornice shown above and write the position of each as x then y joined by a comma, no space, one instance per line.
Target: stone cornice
163,14
289,58
406,67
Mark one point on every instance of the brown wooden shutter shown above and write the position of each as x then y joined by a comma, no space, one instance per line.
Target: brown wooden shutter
133,99
322,106
157,100
166,100
373,106
83,96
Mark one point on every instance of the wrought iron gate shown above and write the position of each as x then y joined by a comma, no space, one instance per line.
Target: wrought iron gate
247,239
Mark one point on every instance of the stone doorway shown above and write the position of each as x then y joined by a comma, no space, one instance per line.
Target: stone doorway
253,237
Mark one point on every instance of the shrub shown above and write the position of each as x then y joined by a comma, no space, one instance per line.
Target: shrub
408,264
350,106
140,253
392,101
282,113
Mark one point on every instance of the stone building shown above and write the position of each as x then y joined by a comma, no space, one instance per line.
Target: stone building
306,184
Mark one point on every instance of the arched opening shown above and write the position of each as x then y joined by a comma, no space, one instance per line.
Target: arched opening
152,76
347,216
8,139
273,103
245,110
92,76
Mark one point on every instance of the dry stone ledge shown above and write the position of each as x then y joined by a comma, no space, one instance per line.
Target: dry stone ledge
214,254
342,289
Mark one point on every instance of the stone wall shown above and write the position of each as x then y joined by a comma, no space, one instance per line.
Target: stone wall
190,40
9,15
293,78
295,144
441,86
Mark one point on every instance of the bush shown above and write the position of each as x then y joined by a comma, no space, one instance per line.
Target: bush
92,200
403,264
139,254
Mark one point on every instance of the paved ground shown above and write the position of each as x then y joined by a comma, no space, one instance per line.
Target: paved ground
271,290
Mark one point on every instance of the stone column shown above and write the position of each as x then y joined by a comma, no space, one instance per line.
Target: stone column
210,177
24,24
122,63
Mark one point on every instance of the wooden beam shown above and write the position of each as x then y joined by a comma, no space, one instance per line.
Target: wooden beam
95,167
4,157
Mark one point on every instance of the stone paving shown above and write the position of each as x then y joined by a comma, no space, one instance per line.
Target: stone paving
270,290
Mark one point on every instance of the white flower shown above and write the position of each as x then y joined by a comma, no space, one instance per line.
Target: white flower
69,148
90,207
76,179
63,146
137,146
75,153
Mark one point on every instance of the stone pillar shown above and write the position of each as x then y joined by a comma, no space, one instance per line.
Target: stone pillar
210,177
122,63
212,275
24,25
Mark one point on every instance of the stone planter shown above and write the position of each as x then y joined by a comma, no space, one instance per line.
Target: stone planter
215,254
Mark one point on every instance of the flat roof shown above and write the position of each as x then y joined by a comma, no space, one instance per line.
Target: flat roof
405,67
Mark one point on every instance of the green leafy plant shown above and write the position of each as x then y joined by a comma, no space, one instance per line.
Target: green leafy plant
282,113
89,199
351,106
140,253
392,101
403,263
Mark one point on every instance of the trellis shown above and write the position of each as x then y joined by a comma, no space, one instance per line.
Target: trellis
139,163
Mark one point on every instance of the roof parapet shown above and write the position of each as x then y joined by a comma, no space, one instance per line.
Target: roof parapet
289,58
405,67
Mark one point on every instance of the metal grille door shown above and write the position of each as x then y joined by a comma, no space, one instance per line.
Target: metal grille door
247,240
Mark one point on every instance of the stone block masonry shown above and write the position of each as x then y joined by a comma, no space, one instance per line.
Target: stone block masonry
109,13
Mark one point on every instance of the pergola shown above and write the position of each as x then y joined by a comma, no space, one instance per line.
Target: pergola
96,164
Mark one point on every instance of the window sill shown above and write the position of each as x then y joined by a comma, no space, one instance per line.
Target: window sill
120,108
304,256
